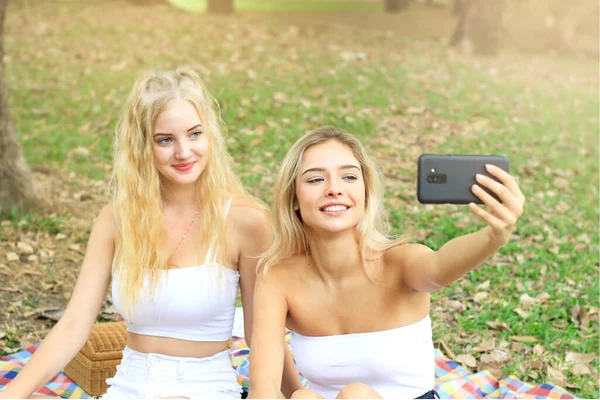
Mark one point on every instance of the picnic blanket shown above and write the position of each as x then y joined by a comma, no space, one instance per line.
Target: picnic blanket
452,380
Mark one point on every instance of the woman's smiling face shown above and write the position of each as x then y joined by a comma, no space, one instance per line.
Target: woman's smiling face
330,189
179,144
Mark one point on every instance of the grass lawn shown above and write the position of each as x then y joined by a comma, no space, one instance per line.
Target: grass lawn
278,75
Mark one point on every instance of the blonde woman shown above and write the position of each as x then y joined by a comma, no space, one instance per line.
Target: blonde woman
347,289
177,240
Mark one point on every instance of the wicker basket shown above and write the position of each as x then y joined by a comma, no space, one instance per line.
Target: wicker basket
98,358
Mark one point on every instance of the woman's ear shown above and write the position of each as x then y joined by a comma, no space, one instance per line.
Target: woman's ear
296,206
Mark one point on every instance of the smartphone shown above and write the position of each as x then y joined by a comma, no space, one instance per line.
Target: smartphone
448,178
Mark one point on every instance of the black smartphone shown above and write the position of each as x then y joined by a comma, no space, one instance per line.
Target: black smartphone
448,178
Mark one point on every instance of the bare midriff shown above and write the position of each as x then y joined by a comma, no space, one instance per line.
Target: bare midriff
174,347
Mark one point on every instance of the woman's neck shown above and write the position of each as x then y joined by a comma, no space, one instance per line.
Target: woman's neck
179,196
335,257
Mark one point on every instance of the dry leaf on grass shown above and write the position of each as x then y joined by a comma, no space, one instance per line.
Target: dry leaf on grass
524,339
556,377
486,346
467,360
498,326
493,369
479,297
526,302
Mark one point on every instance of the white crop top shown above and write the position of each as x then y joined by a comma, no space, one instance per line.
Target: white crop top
193,303
398,363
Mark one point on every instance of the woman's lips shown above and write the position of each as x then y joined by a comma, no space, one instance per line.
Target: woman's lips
184,167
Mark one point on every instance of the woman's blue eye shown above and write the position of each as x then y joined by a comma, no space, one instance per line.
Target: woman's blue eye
165,140
196,134
350,177
315,180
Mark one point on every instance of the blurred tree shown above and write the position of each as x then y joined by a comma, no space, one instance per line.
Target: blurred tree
479,25
396,5
220,6
16,180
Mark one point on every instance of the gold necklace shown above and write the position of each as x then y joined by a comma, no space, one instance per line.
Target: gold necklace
184,235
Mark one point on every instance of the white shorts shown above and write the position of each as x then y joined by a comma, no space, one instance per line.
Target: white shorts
156,376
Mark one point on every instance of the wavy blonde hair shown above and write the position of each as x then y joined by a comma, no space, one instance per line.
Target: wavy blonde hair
290,237
136,184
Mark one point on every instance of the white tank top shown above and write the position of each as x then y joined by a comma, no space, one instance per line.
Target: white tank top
398,363
194,303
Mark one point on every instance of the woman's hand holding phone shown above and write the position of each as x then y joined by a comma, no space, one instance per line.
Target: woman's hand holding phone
501,216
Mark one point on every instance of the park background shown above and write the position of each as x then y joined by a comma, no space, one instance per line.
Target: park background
522,81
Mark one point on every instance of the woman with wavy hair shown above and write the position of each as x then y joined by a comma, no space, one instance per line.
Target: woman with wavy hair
346,288
178,239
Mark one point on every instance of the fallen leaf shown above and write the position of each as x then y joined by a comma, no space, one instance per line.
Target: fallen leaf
499,355
522,314
10,289
543,297
467,360
580,358
580,369
524,339
456,305
11,256
537,364
493,369
484,286
538,349
24,272
561,183
53,314
486,346
415,110
479,297
556,377
25,343
559,324
517,347
498,326
25,248
526,302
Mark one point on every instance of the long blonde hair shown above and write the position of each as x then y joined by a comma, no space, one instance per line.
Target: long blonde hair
289,234
137,189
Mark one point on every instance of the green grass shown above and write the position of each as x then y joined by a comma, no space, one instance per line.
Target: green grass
70,68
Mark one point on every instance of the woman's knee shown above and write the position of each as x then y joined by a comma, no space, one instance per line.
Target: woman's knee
358,391
306,394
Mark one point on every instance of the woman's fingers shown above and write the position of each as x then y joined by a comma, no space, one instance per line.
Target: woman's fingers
507,179
498,209
509,199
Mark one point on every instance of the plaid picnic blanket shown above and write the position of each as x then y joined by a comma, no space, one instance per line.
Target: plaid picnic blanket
452,380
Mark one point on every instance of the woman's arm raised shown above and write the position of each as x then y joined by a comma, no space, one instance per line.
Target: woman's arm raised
69,335
428,270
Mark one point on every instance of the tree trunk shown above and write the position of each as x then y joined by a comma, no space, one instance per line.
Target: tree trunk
220,6
16,181
396,5
479,26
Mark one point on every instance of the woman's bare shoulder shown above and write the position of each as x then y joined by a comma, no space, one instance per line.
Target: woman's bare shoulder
399,254
107,218
288,268
247,216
